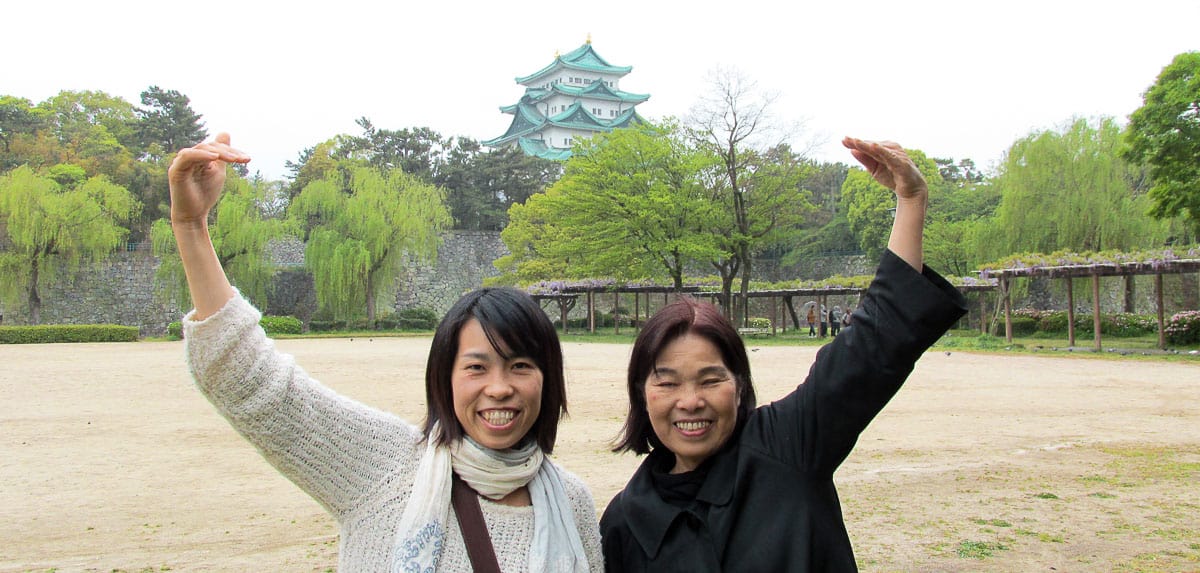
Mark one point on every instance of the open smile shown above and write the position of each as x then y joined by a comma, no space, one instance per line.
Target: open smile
693,428
498,419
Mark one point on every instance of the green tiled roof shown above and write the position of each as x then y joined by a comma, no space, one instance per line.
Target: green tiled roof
538,148
601,91
526,119
583,58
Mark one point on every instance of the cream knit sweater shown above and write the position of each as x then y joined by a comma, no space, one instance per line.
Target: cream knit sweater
356,461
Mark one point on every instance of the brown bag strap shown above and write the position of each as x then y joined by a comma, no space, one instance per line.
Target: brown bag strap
474,529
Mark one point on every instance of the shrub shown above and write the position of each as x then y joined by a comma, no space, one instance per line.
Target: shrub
759,322
1021,326
1183,328
281,324
417,319
387,321
326,325
67,333
175,330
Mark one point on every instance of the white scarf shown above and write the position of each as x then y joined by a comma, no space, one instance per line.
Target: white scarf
556,546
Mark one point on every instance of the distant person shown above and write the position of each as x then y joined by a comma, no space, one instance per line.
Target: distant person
812,321
835,320
730,487
494,396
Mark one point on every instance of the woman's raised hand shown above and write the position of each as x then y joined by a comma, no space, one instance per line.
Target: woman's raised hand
196,177
887,162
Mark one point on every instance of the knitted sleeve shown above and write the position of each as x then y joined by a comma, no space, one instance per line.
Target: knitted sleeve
333,447
585,519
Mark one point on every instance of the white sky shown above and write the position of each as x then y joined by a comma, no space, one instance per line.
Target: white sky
954,78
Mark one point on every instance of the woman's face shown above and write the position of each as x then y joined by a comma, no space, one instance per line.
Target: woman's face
692,400
497,401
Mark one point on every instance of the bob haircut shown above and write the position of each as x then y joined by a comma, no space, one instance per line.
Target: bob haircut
683,316
516,327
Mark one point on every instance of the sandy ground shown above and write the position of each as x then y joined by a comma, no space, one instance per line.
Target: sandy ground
110,460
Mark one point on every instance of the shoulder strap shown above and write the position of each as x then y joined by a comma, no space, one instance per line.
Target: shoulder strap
474,529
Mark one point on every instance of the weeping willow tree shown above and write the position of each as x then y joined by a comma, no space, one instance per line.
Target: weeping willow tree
53,226
360,230
1069,190
240,236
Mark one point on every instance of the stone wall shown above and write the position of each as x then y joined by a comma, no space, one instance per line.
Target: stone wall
119,290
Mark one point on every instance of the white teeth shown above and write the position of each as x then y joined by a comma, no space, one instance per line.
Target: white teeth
498,417
692,426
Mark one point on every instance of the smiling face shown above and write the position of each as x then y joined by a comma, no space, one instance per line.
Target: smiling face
691,400
496,400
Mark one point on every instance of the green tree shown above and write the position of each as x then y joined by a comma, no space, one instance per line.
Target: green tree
18,116
241,233
630,205
1165,135
52,228
759,183
870,207
1069,190
481,185
360,230
167,123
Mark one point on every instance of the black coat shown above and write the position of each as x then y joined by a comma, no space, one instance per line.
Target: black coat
768,502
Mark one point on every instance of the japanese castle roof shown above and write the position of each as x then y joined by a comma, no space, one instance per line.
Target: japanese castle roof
538,148
596,90
583,58
527,119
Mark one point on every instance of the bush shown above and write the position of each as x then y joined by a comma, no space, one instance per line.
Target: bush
759,322
175,330
67,333
1021,326
281,324
326,325
1183,328
387,321
417,319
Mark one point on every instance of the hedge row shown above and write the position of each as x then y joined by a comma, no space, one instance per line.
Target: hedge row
1182,329
67,333
271,324
407,319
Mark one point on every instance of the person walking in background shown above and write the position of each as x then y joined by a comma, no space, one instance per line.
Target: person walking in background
812,320
495,393
835,320
726,486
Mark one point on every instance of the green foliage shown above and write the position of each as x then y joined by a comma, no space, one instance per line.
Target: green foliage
759,322
1069,189
50,333
51,229
1165,135
417,319
870,207
1028,321
979,549
175,330
240,236
630,205
167,123
361,230
281,324
1184,328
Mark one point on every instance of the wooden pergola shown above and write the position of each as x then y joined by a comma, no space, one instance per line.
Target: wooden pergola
568,297
1094,271
780,301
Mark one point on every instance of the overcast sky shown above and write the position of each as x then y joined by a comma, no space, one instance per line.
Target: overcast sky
961,79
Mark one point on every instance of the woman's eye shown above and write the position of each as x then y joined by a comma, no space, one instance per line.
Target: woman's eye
523,366
474,367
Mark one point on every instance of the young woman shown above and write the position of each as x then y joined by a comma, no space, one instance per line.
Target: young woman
495,394
730,487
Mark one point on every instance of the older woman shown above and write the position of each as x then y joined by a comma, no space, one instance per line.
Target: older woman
495,394
731,487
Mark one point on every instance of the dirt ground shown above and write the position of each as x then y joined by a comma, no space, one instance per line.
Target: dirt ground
110,460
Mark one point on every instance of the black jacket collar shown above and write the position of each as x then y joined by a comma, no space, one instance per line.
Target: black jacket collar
650,517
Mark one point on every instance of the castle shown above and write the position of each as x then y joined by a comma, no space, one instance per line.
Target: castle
575,96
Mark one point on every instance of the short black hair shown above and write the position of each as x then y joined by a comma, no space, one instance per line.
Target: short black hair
516,326
681,317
